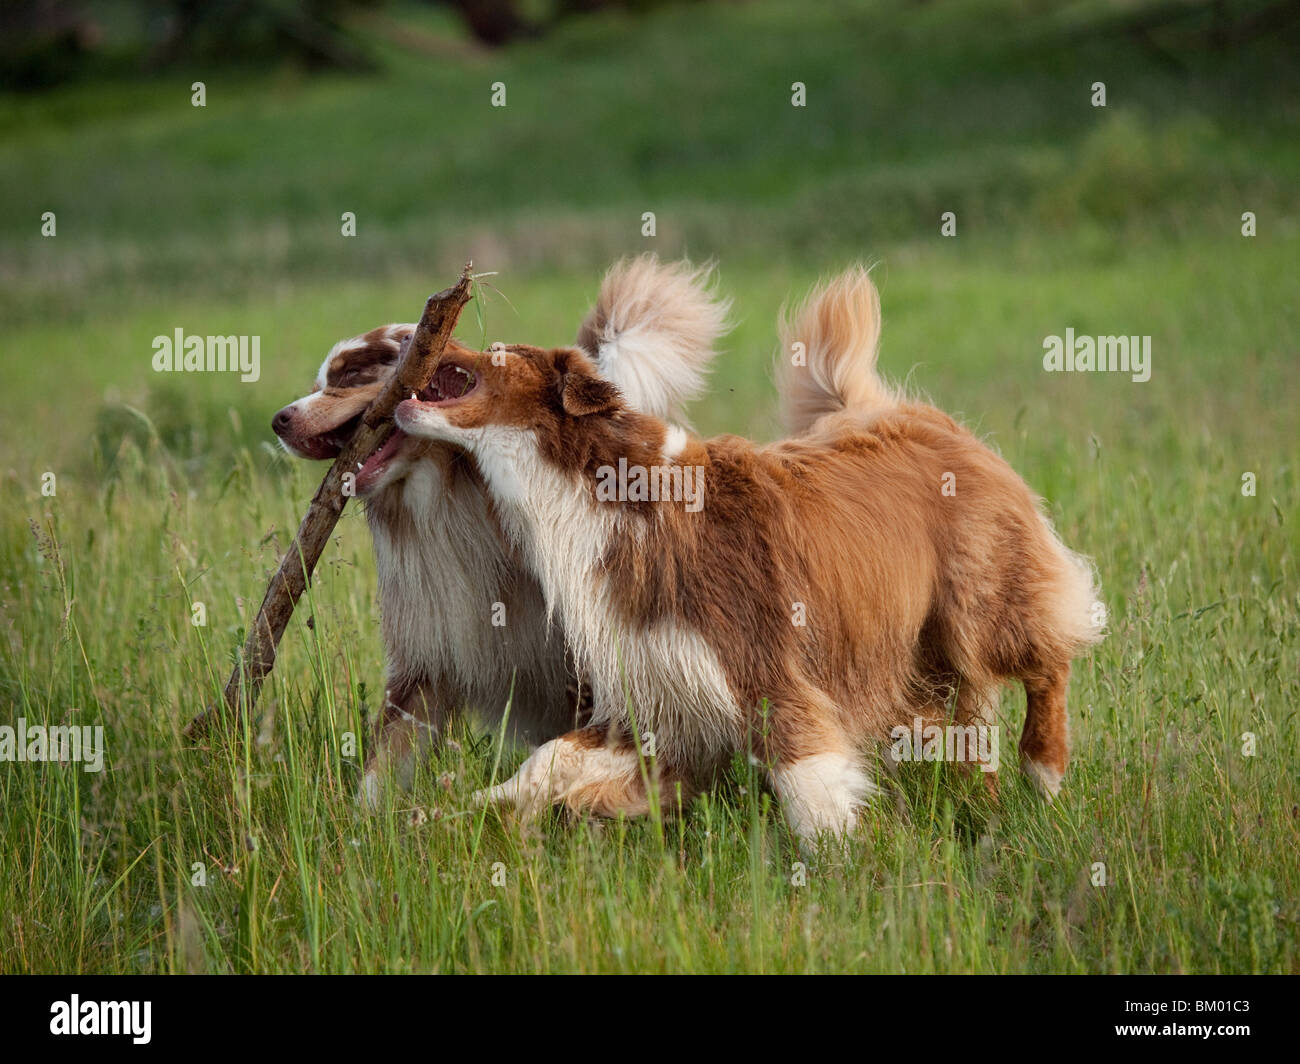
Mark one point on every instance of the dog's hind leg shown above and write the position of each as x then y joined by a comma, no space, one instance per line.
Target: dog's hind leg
1044,744
976,706
414,713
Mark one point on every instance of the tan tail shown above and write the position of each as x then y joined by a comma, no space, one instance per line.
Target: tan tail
1072,597
652,331
838,326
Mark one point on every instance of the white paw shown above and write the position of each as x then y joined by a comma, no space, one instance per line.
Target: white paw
1046,780
370,793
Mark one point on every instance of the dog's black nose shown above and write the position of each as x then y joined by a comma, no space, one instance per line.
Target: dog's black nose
280,423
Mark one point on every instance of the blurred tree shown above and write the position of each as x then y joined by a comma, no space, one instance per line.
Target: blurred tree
309,30
44,41
1168,27
497,22
494,22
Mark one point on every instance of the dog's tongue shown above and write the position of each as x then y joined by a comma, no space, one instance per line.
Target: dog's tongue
373,467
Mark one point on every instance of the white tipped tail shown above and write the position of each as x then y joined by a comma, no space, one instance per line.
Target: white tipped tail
652,331
1073,597
838,326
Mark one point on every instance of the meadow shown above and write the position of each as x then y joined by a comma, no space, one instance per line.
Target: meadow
1173,846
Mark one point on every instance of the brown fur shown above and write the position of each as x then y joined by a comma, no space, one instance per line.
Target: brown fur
912,597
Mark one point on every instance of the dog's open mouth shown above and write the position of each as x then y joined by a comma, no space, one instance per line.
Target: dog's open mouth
451,383
331,444
338,437
374,467
324,445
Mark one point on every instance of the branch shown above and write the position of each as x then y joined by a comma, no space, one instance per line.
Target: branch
414,372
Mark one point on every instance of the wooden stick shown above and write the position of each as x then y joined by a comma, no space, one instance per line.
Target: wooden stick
414,372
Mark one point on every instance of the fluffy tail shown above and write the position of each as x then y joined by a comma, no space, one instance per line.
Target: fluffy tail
652,331
1073,597
838,325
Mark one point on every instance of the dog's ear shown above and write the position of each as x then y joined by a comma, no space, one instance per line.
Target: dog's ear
582,392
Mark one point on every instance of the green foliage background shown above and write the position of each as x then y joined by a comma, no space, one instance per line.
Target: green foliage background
226,219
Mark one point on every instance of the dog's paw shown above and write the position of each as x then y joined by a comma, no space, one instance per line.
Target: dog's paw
1046,780
370,794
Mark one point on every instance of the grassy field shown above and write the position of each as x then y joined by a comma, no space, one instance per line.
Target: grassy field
249,856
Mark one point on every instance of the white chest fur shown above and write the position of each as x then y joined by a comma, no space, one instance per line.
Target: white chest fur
456,611
662,675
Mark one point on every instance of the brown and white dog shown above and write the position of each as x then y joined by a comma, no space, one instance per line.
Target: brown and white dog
828,591
465,625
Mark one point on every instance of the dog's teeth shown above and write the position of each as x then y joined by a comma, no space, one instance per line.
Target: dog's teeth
358,465
414,396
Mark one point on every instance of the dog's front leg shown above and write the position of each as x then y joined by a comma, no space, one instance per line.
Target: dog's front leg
586,770
816,771
414,714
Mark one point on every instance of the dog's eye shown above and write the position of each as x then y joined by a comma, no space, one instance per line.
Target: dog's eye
352,378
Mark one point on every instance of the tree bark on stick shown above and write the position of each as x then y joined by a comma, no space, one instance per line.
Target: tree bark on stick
413,374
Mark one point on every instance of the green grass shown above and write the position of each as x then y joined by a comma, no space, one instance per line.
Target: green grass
169,491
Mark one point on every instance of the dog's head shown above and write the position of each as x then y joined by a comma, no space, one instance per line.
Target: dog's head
515,386
353,374
319,425
552,403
